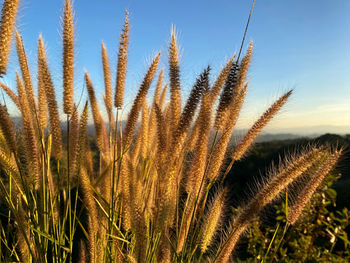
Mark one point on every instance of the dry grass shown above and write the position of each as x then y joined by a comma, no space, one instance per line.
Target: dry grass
150,195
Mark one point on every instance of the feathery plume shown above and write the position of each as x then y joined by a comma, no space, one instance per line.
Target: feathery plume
7,128
161,133
212,219
122,64
152,118
8,20
42,97
81,151
219,150
100,127
174,74
141,95
29,132
68,57
144,130
198,164
107,81
258,126
306,193
244,66
185,222
202,84
279,180
197,169
157,92
163,96
227,94
23,62
51,101
11,94
220,80
232,89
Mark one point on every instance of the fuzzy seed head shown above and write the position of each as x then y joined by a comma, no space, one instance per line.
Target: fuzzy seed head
51,101
317,178
258,126
122,64
8,19
7,128
68,57
100,127
227,94
212,220
138,102
174,75
220,80
11,94
23,62
107,79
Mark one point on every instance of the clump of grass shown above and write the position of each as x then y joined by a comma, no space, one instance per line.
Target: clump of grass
156,193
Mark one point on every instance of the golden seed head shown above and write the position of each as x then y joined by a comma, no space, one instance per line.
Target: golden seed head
100,127
311,186
23,62
8,19
11,94
258,126
107,78
68,58
174,75
51,101
122,64
138,102
220,80
7,128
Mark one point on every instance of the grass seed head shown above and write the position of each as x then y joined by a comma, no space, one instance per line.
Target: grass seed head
8,20
68,58
122,63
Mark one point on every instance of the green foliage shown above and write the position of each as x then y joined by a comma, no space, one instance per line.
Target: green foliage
321,234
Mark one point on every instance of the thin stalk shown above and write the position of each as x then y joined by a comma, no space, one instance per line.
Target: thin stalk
69,195
112,208
271,242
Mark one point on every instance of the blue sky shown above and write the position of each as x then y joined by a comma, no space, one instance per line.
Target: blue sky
298,44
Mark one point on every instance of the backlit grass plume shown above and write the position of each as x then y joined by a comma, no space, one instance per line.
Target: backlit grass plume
152,189
68,57
122,64
8,20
